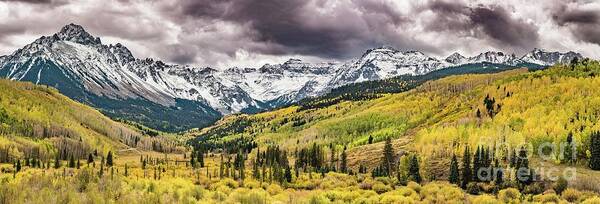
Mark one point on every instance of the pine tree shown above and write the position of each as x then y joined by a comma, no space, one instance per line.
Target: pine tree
486,157
454,174
499,173
57,162
594,162
264,172
413,170
466,168
242,166
513,159
288,174
201,158
344,162
192,161
569,155
388,157
71,162
101,170
90,159
362,169
476,164
221,168
255,172
524,173
332,157
109,159
18,166
297,169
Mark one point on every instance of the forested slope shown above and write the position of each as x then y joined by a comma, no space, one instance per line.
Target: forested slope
39,122
439,118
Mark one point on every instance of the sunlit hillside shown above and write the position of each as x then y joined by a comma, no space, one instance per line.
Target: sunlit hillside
38,122
439,118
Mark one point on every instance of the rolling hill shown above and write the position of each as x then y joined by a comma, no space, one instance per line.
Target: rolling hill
38,122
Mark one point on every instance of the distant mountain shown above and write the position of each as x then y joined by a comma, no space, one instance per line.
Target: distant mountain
177,97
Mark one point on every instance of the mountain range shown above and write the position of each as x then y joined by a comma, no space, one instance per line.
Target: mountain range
174,97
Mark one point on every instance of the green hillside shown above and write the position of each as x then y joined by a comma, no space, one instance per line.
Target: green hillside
39,122
438,119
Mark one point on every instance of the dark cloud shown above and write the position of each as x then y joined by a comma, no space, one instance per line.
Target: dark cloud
299,27
497,23
181,54
492,21
222,32
584,24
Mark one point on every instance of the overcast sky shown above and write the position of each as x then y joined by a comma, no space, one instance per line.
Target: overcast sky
224,33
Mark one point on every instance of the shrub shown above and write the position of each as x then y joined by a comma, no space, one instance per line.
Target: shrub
488,188
254,196
473,188
367,184
393,199
274,189
415,186
251,184
84,177
593,200
586,195
227,182
560,185
408,192
441,193
318,199
381,188
342,195
508,184
484,199
546,198
509,195
385,180
571,195
534,189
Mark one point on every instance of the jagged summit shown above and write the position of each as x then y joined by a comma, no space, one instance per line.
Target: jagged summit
456,58
76,33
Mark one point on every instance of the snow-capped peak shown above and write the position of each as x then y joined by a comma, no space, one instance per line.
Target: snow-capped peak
543,57
494,57
456,58
76,33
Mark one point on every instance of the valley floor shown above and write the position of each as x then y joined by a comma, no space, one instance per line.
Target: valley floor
170,181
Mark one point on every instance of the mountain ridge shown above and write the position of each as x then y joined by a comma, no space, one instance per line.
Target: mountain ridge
79,64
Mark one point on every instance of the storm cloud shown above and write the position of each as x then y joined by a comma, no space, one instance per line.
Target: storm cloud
492,22
223,33
319,28
583,22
